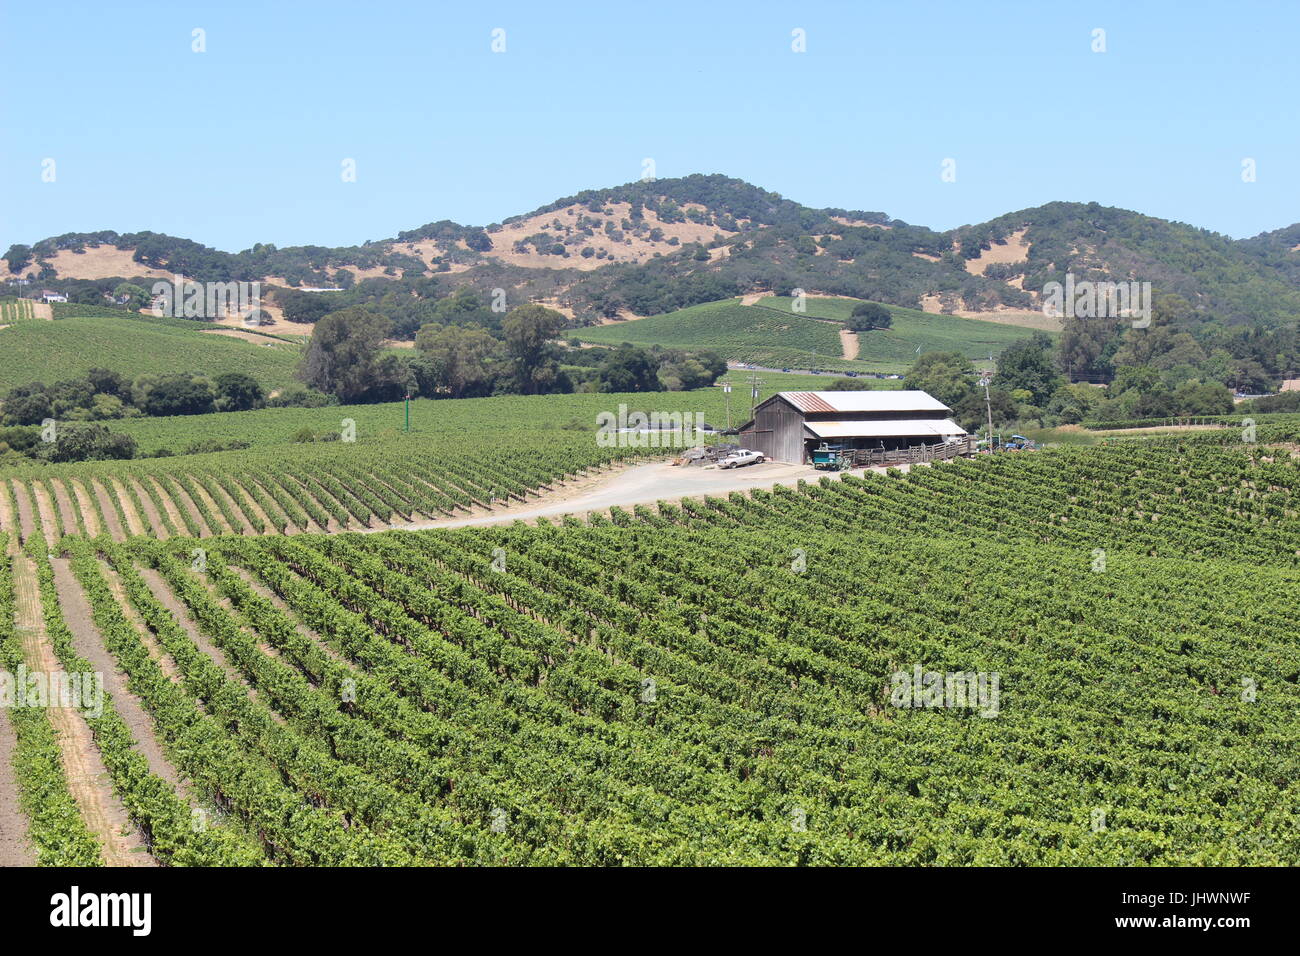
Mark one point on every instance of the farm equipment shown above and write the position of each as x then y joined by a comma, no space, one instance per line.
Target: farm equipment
1014,443
1019,443
831,457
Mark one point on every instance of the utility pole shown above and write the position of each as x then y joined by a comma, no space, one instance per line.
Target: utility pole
754,382
988,402
726,390
408,412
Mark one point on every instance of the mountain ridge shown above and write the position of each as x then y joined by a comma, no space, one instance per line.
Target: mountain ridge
651,246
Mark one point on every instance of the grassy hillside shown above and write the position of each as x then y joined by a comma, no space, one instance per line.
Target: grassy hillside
770,334
974,338
645,242
67,348
1236,281
737,332
458,455
796,381
651,249
508,420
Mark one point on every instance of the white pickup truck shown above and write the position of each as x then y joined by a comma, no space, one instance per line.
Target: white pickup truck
740,458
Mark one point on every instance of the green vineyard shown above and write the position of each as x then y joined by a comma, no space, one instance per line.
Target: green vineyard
771,333
294,469
705,681
16,310
332,488
135,345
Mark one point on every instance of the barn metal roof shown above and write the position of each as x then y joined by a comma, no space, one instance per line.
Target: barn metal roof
906,428
866,401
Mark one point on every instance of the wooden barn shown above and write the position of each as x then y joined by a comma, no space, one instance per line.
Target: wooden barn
789,425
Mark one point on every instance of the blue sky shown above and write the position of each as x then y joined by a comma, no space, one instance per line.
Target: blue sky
244,142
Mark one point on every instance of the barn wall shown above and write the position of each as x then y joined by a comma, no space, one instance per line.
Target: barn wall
777,432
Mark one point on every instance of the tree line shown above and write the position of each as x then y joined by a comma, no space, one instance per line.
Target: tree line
1030,389
468,351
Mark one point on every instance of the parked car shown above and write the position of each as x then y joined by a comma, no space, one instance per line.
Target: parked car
739,459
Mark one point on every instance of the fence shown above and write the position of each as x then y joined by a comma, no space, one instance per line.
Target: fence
1221,420
914,455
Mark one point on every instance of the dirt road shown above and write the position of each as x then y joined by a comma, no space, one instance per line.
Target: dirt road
15,850
849,343
88,778
640,484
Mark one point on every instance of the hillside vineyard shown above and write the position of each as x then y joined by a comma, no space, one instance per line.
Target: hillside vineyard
286,490
715,681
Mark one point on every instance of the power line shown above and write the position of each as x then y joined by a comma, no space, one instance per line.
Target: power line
754,382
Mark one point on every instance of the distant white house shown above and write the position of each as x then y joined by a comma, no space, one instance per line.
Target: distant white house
48,296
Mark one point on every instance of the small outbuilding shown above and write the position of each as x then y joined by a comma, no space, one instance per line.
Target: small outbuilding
789,425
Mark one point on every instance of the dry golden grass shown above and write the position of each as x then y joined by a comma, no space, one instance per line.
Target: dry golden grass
97,262
1015,249
1003,314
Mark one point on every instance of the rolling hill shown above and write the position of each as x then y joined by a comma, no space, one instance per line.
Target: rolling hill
52,351
770,334
647,248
